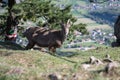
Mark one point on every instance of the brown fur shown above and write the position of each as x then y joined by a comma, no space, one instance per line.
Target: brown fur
46,38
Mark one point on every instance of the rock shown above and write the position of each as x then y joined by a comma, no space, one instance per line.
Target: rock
107,56
75,76
55,76
117,30
107,60
110,67
52,77
99,62
115,44
85,66
94,60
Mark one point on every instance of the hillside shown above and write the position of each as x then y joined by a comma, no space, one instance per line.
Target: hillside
68,63
17,64
94,15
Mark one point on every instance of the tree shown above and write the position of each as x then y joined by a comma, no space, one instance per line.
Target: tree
42,12
79,27
35,10
10,22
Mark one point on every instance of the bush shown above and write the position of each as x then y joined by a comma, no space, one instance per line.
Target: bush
79,27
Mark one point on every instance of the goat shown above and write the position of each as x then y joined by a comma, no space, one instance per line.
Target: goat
47,38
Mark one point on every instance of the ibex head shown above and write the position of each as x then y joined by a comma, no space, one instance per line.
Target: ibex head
67,26
69,23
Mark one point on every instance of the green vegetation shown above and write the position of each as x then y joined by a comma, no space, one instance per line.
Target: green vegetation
79,27
19,64
26,65
42,13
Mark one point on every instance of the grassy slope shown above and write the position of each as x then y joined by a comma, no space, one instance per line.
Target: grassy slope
18,64
36,65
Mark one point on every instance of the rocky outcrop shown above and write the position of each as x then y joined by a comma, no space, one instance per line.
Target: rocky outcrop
117,33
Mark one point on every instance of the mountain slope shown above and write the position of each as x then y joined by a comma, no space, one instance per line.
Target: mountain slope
36,65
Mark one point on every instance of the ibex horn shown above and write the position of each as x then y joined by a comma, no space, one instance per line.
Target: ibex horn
68,21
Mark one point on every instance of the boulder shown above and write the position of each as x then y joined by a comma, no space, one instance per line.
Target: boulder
110,67
107,58
117,31
94,60
115,44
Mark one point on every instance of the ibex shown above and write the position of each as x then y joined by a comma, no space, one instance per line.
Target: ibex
47,38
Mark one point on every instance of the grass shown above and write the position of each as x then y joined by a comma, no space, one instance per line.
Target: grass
8,44
35,65
86,44
32,63
19,64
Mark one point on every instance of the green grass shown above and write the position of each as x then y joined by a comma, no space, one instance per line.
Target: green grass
87,44
17,64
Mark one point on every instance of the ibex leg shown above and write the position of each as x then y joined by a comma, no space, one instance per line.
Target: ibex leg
29,46
52,49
